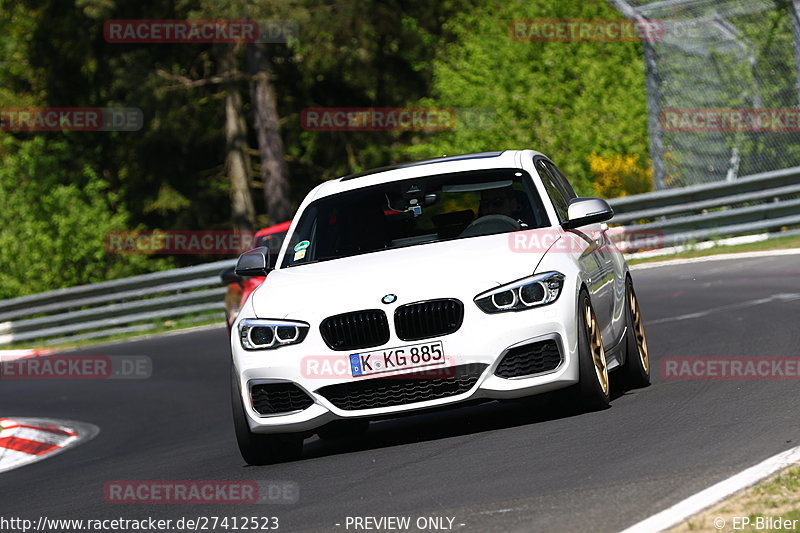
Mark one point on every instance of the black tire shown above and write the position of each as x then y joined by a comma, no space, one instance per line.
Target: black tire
593,396
344,429
258,449
637,359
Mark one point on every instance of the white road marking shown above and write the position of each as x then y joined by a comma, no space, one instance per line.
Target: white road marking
715,493
719,257
785,297
782,297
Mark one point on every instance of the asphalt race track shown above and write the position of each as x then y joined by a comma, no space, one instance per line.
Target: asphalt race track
493,467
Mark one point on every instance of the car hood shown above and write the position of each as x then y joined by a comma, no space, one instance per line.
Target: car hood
452,269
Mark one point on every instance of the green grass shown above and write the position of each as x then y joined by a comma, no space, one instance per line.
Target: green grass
777,497
778,243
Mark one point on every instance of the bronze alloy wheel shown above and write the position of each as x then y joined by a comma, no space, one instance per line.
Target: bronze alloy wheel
638,330
596,346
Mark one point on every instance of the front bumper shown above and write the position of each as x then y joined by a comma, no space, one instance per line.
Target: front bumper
480,344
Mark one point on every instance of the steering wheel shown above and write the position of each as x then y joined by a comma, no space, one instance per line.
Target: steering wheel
489,224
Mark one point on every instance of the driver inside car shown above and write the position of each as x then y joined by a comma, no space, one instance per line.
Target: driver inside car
499,202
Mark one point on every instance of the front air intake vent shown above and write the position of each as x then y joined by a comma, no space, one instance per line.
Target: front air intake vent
529,360
402,390
276,398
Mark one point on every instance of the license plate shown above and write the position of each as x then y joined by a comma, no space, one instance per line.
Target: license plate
386,360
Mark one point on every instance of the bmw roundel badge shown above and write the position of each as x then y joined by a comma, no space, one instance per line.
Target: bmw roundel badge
389,299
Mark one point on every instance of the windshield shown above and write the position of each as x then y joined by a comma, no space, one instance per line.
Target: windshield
416,211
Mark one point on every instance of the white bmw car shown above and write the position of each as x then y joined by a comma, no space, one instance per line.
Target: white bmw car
427,285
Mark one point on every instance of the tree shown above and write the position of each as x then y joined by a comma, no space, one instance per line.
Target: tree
274,176
237,157
566,99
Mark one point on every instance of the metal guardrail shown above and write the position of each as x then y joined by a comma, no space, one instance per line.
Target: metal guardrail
760,203
767,202
113,307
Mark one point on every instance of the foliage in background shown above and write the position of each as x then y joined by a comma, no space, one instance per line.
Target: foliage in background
727,54
60,191
359,53
60,212
619,175
565,99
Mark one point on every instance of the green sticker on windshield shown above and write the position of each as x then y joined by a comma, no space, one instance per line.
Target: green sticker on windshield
302,245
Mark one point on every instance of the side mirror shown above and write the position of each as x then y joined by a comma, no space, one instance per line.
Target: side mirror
256,262
585,211
229,276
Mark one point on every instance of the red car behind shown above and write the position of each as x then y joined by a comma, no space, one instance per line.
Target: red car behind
240,288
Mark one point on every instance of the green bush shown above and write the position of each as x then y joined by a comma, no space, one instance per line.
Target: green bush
565,99
54,218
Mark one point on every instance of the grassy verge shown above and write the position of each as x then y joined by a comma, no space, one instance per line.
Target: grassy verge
764,507
778,243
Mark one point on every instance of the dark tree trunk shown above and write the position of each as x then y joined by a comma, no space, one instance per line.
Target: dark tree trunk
237,160
268,134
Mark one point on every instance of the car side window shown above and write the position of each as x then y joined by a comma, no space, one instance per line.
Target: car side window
561,182
557,194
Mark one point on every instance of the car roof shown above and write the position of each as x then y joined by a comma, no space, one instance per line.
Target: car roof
428,167
444,159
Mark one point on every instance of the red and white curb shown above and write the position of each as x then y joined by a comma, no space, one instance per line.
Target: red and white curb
11,355
28,440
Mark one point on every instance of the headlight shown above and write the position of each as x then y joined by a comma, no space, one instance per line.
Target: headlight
258,334
533,291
